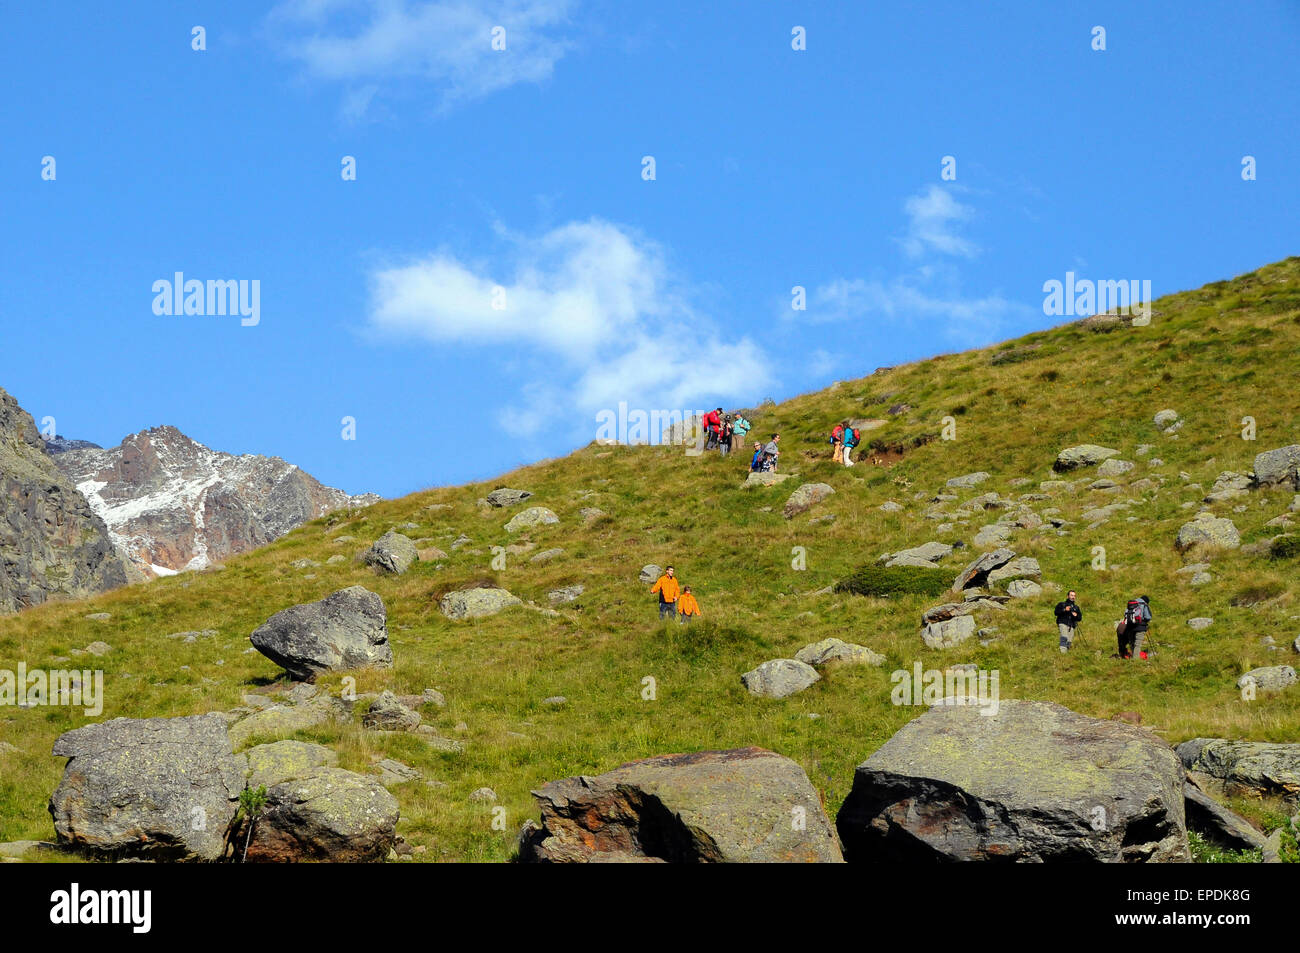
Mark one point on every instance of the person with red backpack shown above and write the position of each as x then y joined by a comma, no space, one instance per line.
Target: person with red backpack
850,440
1132,629
837,440
713,425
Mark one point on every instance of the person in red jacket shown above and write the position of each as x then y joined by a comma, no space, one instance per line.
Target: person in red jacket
713,424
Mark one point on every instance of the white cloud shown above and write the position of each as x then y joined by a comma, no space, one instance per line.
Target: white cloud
933,216
591,307
366,44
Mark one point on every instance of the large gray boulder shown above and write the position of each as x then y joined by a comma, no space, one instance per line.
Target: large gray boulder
392,552
163,788
1084,455
765,478
649,574
1280,467
504,496
1208,530
780,678
326,815
746,805
1022,567
806,497
476,603
533,516
1245,768
967,481
1032,782
345,630
927,554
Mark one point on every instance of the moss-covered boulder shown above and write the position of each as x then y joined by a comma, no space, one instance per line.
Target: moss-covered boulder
1022,781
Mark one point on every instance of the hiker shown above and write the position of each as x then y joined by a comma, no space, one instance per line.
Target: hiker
1068,616
739,429
849,440
687,606
770,452
1132,629
837,441
724,438
668,590
756,463
712,426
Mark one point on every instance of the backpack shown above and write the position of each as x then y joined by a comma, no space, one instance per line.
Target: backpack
837,433
851,437
1133,612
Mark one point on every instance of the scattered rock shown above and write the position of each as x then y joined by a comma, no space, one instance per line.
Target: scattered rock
949,632
1022,567
770,478
98,616
343,631
505,497
805,498
1084,455
650,574
531,517
99,648
392,552
565,594
780,678
1023,589
476,603
483,796
1200,622
1210,531
1280,467
889,506
836,651
386,713
967,481
546,555
1270,678
1114,468
1168,420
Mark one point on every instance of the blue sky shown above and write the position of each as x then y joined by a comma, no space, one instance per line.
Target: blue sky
521,169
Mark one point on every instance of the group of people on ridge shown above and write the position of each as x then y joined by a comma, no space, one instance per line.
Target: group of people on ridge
723,432
674,598
1130,633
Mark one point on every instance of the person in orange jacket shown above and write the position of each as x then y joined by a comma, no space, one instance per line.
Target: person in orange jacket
668,590
687,606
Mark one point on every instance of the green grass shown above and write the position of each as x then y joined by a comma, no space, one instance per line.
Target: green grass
606,651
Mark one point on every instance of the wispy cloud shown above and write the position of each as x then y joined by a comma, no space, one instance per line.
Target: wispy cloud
373,47
933,220
592,306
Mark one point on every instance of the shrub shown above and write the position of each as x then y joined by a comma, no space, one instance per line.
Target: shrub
1285,547
884,581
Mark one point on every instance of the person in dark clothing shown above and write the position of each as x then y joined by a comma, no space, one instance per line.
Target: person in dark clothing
1132,630
1068,616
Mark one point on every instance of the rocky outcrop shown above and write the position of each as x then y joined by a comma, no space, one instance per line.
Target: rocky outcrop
52,545
832,651
504,496
747,805
345,630
1210,531
172,504
531,517
1244,768
1032,782
977,572
164,788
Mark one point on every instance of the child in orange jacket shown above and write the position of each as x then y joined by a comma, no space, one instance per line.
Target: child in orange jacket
687,606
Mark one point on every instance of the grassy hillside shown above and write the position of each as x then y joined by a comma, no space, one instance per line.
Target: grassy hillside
1215,355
